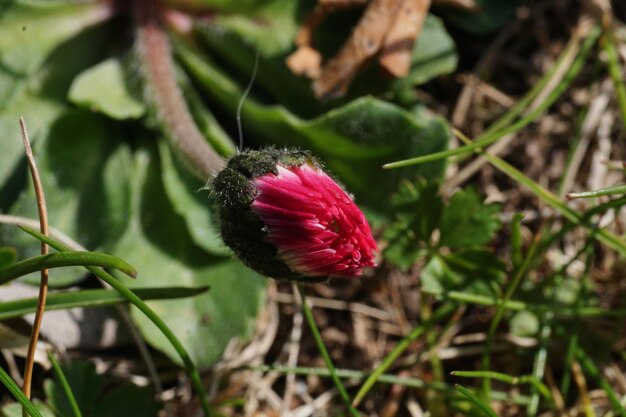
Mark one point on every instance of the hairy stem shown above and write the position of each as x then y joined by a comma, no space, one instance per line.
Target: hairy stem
153,50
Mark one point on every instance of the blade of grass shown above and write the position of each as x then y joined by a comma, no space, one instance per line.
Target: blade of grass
572,343
92,298
489,138
589,367
17,393
516,241
324,352
147,311
65,386
513,380
615,70
56,260
383,379
437,315
473,398
434,401
565,59
517,305
539,364
618,189
493,327
552,200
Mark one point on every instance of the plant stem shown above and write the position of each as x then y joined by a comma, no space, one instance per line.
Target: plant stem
92,298
552,200
56,260
14,389
65,385
387,379
609,191
147,311
615,70
324,352
474,399
593,370
434,401
513,380
154,53
517,278
43,282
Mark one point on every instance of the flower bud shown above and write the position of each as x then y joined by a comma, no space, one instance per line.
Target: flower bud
287,219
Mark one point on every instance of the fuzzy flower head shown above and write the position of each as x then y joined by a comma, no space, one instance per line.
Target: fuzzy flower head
286,218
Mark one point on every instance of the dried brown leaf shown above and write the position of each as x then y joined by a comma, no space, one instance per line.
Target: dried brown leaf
395,56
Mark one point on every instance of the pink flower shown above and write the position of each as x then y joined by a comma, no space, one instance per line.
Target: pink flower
287,219
315,226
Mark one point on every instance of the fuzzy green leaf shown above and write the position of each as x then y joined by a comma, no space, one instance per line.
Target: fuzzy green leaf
354,140
84,170
38,95
191,202
159,246
103,88
29,31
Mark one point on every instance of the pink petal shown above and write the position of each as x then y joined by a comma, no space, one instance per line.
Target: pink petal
314,224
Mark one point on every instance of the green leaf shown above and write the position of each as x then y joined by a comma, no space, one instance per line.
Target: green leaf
271,27
206,121
39,96
128,400
15,409
158,244
56,260
16,392
354,140
91,299
191,202
235,39
238,52
467,221
417,212
492,15
30,30
85,383
84,171
7,256
242,6
103,88
475,271
434,53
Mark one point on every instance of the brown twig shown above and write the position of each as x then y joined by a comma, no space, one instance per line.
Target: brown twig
43,283
153,49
